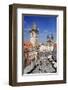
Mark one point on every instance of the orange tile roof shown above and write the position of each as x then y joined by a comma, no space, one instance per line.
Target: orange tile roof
27,44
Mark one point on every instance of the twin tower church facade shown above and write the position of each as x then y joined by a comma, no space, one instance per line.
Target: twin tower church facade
34,40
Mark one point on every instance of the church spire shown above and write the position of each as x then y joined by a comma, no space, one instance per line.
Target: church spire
34,28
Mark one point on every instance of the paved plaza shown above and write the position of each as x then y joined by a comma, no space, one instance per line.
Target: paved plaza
46,63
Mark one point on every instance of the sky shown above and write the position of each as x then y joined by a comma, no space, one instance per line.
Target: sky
46,25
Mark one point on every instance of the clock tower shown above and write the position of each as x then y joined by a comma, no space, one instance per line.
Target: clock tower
34,35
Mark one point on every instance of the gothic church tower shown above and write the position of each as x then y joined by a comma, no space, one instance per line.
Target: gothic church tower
34,35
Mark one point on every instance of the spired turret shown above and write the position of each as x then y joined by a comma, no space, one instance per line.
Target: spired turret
34,35
50,43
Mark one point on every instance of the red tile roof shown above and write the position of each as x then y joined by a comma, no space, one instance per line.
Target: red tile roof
27,45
